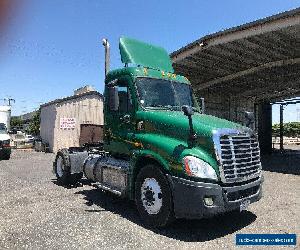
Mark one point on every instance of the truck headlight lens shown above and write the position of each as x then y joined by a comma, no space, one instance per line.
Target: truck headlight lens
196,167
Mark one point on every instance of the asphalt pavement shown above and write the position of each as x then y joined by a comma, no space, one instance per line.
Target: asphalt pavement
36,213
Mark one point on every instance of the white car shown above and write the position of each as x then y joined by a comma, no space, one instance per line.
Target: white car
18,140
29,138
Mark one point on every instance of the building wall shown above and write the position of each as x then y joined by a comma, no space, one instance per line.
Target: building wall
86,110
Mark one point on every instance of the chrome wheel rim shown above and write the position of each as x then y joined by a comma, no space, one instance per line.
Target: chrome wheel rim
59,166
151,196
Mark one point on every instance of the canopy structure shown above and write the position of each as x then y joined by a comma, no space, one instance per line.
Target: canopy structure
247,67
260,60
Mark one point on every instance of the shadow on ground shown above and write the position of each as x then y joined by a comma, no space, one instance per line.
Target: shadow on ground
81,183
287,162
184,230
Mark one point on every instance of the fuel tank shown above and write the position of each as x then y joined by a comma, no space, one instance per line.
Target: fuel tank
107,171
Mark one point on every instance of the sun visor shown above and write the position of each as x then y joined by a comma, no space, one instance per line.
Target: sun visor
143,54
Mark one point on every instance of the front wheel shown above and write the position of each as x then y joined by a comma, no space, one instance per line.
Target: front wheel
153,197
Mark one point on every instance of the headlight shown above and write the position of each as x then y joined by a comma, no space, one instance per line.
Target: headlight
196,167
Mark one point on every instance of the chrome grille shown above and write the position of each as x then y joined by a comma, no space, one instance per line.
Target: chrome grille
240,157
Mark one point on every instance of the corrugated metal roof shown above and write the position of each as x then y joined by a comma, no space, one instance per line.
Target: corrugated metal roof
259,60
73,97
258,22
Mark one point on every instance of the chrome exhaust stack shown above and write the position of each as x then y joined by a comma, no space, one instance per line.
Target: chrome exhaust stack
107,54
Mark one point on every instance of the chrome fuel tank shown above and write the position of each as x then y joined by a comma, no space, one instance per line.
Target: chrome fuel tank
107,171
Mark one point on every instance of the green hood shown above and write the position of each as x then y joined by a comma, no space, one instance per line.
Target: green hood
165,135
175,123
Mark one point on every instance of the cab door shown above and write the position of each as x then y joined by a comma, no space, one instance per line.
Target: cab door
119,123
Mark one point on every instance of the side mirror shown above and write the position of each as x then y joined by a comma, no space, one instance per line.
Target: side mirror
113,98
187,110
249,116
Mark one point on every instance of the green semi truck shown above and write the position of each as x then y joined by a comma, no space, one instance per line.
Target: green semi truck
159,147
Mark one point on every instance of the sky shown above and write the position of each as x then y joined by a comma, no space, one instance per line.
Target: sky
52,47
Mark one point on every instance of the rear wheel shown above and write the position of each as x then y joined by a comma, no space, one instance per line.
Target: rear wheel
62,168
153,197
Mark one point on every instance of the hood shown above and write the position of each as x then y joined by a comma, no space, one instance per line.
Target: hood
176,123
4,137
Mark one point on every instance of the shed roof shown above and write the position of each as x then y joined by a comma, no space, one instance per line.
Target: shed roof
260,59
73,97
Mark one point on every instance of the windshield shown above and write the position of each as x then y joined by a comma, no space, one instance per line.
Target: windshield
2,128
159,93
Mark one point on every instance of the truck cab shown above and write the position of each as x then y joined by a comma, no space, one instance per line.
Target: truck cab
5,149
161,150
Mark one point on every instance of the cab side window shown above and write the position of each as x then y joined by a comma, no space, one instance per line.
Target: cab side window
125,100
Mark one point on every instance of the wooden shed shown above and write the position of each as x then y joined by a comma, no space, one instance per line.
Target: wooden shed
72,121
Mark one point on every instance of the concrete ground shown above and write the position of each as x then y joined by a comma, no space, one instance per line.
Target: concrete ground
36,213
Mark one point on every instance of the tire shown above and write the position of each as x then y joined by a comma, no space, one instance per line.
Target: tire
153,197
6,156
62,169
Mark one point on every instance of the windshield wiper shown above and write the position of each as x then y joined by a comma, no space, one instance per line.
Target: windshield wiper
196,110
178,108
160,106
169,107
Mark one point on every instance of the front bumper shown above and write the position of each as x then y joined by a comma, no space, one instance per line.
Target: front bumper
188,197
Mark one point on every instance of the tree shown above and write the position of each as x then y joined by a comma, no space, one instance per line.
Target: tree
291,129
34,125
16,122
